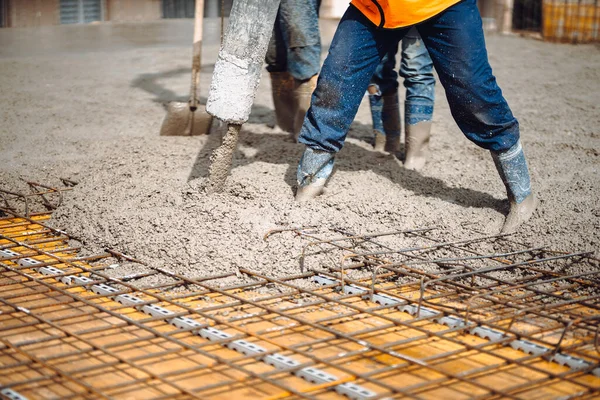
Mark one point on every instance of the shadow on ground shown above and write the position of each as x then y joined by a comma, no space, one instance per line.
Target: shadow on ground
148,82
274,148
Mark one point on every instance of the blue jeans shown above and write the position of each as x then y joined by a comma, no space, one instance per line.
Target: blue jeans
454,39
295,46
416,68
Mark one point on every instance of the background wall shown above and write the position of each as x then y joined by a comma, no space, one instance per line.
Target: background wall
133,10
32,13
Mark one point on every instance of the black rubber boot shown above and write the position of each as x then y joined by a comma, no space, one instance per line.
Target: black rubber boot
390,116
282,89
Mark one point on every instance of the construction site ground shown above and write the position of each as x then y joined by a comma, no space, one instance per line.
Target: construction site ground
85,103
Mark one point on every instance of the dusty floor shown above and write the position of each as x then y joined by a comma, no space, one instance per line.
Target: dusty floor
86,103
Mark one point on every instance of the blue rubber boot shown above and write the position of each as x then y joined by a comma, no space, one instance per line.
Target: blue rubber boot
512,167
314,169
376,106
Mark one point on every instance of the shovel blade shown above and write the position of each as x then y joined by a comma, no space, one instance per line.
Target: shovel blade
181,121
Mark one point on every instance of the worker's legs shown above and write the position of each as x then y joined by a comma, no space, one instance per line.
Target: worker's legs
293,60
416,68
295,46
282,83
383,101
456,44
356,50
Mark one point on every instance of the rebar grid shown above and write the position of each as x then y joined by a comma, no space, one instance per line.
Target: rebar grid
466,281
338,328
48,196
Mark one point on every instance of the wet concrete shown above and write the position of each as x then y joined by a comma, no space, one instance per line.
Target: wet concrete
87,103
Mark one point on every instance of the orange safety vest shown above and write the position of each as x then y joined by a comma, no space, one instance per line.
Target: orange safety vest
400,13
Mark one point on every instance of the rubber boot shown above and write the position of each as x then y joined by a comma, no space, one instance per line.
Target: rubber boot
376,106
282,89
314,169
512,167
416,144
385,113
302,93
390,116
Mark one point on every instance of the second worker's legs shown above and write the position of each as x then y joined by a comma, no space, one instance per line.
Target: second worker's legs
383,101
355,51
293,60
416,68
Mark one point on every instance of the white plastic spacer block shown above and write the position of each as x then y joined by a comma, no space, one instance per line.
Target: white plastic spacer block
50,271
487,333
80,280
214,334
8,254
280,361
156,311
104,289
315,375
185,323
354,391
28,262
12,395
128,300
246,348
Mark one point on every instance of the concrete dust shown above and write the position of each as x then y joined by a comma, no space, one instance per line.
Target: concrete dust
94,117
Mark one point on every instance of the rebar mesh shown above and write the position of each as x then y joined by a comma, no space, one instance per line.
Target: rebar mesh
407,314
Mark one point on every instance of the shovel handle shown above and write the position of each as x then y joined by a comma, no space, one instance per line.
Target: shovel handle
196,53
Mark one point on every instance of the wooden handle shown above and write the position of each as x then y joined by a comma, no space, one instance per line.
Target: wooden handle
198,22
196,53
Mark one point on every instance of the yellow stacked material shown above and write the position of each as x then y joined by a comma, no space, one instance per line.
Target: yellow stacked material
572,21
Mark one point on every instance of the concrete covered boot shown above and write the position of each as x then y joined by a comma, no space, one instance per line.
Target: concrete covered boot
416,144
302,93
390,115
314,169
512,167
282,89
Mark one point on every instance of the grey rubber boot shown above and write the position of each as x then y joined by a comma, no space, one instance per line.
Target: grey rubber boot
512,167
416,145
282,89
302,93
380,140
390,116
314,168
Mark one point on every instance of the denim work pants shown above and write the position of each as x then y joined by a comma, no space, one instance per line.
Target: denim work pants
416,68
454,39
295,46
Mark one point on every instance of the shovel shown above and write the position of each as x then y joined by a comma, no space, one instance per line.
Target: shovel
191,118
